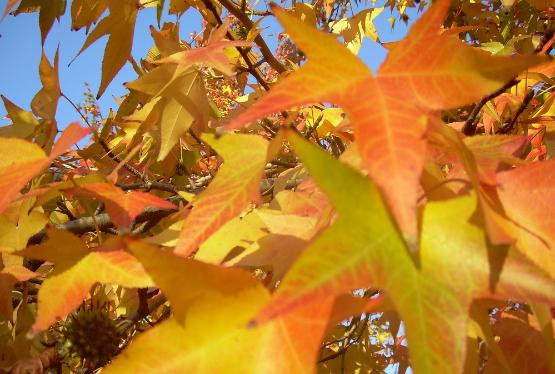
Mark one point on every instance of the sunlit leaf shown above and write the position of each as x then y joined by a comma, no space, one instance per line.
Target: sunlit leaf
433,71
212,55
120,26
208,331
122,207
455,265
77,270
236,185
26,160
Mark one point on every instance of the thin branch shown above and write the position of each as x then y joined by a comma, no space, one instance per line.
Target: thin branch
83,225
142,310
510,126
348,345
152,305
469,127
151,215
471,122
244,54
284,164
245,20
118,160
102,143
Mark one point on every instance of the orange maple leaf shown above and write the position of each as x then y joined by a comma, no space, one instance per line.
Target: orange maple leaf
424,73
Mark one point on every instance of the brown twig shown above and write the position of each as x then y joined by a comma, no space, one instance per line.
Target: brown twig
142,310
245,20
152,305
510,126
243,52
348,344
102,143
469,127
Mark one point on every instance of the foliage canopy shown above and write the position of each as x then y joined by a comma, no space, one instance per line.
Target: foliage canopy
244,210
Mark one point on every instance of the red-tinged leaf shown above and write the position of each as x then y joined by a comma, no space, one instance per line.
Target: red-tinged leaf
26,160
433,71
122,207
528,195
346,306
455,265
274,253
213,54
236,185
495,222
519,340
71,135
306,200
492,151
208,332
77,270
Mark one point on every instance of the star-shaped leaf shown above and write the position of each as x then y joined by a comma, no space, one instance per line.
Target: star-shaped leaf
433,293
208,331
213,54
120,26
182,102
426,72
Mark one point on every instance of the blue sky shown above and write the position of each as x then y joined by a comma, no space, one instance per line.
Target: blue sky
21,47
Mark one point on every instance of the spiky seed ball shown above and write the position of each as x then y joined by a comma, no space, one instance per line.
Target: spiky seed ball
91,336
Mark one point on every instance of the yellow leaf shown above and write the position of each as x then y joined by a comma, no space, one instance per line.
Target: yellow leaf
77,270
354,29
389,129
45,102
23,123
120,26
208,332
236,185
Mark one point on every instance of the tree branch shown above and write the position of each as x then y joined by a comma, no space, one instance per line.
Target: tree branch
244,54
102,143
245,20
527,99
150,215
469,127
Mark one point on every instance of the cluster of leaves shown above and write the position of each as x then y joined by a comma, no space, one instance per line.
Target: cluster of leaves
249,211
